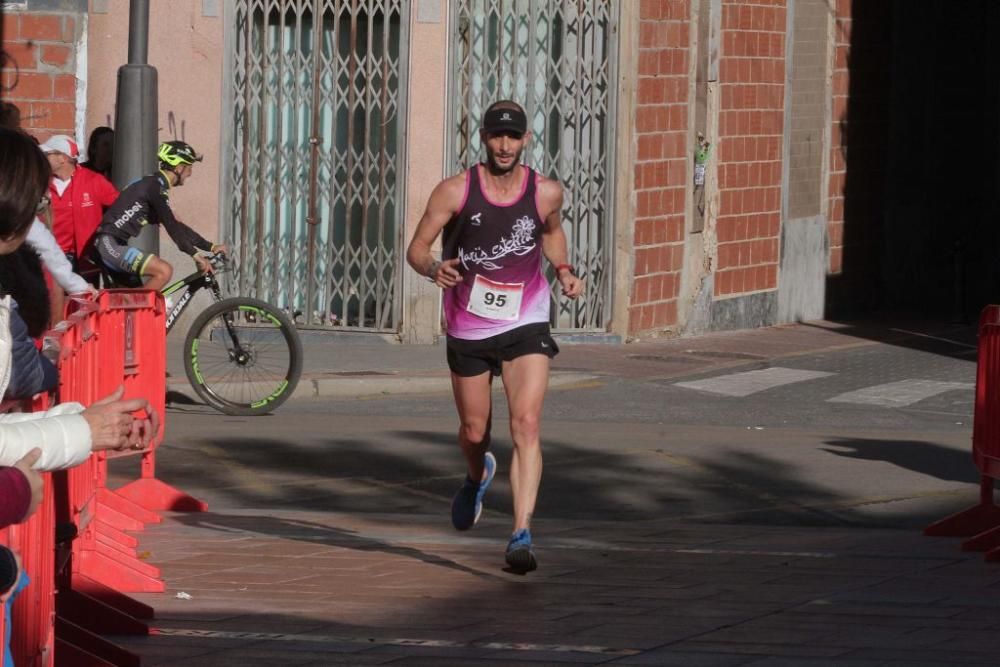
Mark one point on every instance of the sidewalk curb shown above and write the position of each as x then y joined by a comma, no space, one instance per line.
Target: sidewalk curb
388,385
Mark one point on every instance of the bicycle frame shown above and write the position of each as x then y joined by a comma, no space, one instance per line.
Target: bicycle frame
194,282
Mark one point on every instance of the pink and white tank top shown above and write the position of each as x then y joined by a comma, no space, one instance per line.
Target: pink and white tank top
499,248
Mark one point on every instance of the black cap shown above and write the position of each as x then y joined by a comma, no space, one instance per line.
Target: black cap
505,119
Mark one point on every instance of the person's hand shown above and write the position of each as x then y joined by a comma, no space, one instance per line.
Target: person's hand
220,248
572,286
446,275
112,425
204,265
89,293
26,466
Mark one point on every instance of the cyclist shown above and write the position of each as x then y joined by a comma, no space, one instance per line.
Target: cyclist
145,202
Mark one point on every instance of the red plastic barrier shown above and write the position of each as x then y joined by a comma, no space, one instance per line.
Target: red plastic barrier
140,317
91,366
981,522
130,350
33,613
117,339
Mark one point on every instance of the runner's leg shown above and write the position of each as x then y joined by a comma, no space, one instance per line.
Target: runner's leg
474,404
525,380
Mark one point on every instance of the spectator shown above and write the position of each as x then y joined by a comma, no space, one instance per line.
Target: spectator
22,278
45,246
20,489
41,240
100,151
9,568
67,433
78,198
30,372
12,581
10,115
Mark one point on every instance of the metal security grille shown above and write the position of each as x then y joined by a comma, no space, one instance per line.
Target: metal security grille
557,59
314,194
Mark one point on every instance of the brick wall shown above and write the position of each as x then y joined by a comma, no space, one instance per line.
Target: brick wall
751,117
38,74
661,165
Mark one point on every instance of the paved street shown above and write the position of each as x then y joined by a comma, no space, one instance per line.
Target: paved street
751,498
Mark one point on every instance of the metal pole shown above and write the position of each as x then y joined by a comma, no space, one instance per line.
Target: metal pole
136,115
138,32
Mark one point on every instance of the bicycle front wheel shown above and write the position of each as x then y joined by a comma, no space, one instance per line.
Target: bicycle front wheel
243,356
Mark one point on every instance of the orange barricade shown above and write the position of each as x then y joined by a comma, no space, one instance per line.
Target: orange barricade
33,612
117,339
130,350
981,522
92,365
136,321
89,602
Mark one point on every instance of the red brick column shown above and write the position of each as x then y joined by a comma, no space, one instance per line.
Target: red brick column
751,122
661,162
39,75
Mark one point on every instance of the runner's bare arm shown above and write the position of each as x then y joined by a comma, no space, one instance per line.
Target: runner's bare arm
442,205
550,201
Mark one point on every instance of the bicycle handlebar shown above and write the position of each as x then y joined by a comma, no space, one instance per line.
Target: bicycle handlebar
218,260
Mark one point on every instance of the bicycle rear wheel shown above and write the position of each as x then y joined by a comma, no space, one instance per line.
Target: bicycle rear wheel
243,356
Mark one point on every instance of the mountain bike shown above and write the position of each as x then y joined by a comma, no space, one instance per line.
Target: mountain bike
242,356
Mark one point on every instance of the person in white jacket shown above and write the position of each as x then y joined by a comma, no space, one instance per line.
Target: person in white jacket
44,244
68,433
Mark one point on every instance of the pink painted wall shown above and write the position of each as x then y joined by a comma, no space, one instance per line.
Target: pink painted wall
186,49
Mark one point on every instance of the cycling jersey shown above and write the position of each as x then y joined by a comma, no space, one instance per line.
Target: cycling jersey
142,203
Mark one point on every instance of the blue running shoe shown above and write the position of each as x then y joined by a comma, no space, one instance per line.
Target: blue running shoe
467,504
520,556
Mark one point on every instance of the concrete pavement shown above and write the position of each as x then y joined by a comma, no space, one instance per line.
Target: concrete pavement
672,529
343,365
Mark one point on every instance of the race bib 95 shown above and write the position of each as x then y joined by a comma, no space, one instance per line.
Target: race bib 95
496,301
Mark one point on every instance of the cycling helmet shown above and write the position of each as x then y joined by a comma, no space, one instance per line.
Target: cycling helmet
175,153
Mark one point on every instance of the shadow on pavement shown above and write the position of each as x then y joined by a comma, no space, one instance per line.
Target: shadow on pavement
957,340
314,533
926,458
384,480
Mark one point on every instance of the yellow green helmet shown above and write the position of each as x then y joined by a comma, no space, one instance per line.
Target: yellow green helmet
175,153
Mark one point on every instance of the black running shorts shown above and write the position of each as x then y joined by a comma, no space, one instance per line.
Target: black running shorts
469,358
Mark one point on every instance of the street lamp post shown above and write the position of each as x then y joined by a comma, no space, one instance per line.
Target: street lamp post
136,115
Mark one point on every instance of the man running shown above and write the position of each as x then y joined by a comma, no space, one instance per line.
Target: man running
498,219
146,202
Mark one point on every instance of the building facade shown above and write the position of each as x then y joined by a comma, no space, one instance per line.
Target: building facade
700,142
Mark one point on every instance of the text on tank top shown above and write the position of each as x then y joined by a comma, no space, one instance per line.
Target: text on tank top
499,248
